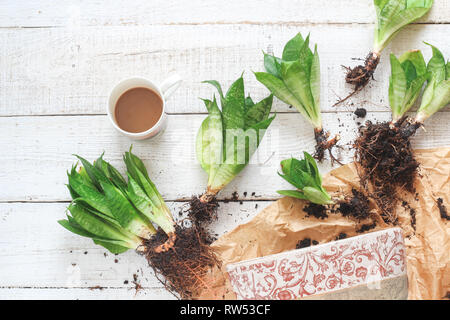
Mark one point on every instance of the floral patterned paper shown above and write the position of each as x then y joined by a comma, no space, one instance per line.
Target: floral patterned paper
321,269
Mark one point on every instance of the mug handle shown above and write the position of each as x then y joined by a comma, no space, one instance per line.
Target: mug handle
170,85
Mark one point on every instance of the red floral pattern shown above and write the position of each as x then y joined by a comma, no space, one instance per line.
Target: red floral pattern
320,269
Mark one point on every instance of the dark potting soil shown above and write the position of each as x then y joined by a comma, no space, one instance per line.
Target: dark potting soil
442,209
412,213
387,161
360,75
357,206
316,210
341,236
366,227
307,242
184,266
360,112
202,212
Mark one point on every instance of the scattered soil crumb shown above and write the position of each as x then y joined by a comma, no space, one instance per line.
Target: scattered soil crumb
366,227
307,242
253,194
412,213
357,206
85,252
360,112
341,236
137,285
96,288
116,261
245,193
442,209
316,210
125,282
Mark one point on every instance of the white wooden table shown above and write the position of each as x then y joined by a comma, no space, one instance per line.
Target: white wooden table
59,59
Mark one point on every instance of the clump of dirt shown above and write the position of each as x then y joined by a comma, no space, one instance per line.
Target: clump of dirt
341,236
307,242
384,153
202,212
360,112
360,76
366,227
412,213
316,210
323,145
442,209
184,266
137,285
356,206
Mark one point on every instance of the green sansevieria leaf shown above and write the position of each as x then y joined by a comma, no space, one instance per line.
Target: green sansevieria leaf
292,49
113,213
393,15
209,143
227,138
293,193
233,106
272,65
304,175
295,78
437,91
408,74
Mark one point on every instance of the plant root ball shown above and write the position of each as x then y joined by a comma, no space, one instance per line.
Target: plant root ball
203,212
323,144
384,154
183,268
360,75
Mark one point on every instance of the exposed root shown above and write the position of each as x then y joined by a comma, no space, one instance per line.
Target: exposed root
360,76
204,209
168,244
386,160
323,144
185,265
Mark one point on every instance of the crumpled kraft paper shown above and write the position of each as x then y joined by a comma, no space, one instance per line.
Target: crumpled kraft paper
282,224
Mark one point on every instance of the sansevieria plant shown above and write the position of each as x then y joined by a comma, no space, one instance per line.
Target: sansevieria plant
391,17
226,140
295,79
383,150
305,176
121,214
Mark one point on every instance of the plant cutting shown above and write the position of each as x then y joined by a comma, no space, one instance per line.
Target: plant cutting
392,16
305,176
226,140
383,150
121,215
295,80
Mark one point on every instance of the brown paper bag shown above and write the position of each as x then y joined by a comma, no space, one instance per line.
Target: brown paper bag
282,224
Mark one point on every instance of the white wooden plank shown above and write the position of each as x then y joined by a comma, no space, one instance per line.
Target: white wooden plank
37,151
84,294
36,252
71,70
142,12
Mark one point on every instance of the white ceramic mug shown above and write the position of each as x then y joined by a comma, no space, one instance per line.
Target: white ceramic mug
164,91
